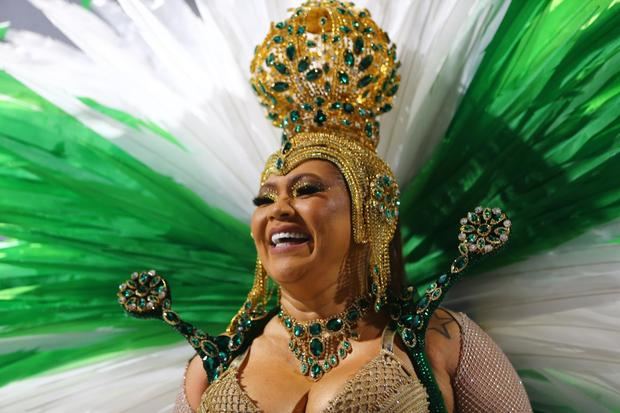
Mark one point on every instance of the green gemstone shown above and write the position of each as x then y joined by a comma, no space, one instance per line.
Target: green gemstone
408,337
310,360
320,117
346,122
333,360
316,371
365,63
367,30
319,101
346,345
358,45
299,330
480,243
463,250
270,59
288,323
280,86
210,348
493,239
473,218
365,81
343,78
486,214
328,87
336,105
392,91
368,129
236,341
290,52
307,107
345,29
336,39
280,67
294,116
301,29
144,277
348,108
315,329
349,60
334,324
353,314
127,293
291,345
501,231
287,147
326,366
278,39
484,229
303,368
280,25
297,128
459,264
279,163
303,65
310,43
468,228
342,353
289,28
316,347
471,237
386,108
313,74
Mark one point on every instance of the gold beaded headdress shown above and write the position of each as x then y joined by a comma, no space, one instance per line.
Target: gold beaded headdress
324,75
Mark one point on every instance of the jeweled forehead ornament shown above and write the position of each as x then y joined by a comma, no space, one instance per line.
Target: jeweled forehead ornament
324,75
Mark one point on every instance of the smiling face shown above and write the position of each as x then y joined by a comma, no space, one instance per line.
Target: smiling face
302,225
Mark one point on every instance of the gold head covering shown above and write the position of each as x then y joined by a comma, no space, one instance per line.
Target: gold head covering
324,75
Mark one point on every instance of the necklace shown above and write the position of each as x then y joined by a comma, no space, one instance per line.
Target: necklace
320,344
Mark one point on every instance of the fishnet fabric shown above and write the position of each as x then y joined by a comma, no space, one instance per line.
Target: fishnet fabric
226,396
383,385
485,380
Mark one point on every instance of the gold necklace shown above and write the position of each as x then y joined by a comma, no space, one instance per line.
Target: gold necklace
320,344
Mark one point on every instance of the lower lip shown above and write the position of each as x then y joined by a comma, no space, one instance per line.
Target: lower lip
286,248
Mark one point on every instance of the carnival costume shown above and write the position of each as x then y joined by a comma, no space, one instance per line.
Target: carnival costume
86,158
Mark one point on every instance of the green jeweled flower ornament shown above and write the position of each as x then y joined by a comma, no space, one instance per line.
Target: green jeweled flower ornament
321,344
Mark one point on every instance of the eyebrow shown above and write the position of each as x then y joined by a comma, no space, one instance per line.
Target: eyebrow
293,180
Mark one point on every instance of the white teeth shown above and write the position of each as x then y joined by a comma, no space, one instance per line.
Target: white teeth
279,236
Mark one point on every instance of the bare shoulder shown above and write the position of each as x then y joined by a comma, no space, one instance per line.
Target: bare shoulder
195,382
443,341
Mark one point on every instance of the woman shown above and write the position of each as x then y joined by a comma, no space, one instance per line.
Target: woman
307,214
324,229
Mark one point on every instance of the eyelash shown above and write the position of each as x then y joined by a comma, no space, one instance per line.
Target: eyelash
298,190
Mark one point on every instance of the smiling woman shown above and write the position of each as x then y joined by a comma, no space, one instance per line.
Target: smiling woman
345,336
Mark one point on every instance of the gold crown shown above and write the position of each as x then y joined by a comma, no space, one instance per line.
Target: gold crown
329,67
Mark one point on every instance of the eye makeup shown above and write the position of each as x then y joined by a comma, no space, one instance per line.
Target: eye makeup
264,198
306,187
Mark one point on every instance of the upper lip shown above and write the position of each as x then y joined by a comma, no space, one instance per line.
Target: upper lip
287,228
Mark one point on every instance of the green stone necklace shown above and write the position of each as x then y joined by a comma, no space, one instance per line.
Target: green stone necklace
321,344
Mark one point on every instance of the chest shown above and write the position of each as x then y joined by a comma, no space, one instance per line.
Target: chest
273,381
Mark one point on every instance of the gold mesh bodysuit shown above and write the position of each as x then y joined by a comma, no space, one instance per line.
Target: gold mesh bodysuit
382,385
485,382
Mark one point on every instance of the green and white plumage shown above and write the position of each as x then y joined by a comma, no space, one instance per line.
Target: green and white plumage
141,148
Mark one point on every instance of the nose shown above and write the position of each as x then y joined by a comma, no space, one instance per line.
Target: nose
282,207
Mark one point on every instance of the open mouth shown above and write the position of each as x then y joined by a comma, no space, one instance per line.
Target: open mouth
288,239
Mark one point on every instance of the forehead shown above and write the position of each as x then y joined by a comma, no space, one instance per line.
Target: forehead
315,168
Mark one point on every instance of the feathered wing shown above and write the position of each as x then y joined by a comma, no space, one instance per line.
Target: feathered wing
126,148
537,134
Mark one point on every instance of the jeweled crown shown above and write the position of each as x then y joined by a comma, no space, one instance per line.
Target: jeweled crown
329,67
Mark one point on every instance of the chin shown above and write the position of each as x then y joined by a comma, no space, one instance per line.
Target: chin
288,270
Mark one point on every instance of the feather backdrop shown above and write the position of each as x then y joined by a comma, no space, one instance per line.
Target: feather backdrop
139,146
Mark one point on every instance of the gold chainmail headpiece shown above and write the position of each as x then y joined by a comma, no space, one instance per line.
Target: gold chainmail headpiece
324,75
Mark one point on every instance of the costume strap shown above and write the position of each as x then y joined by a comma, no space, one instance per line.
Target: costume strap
147,295
482,231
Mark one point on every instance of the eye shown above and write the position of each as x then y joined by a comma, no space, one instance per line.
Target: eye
306,189
263,200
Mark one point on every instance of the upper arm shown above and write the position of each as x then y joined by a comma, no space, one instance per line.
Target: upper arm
196,382
443,344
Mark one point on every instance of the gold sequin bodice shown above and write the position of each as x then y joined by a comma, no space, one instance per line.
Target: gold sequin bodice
382,385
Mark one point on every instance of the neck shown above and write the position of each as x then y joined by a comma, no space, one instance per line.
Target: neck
303,306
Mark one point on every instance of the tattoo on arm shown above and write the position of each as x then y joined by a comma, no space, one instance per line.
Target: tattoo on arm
443,321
